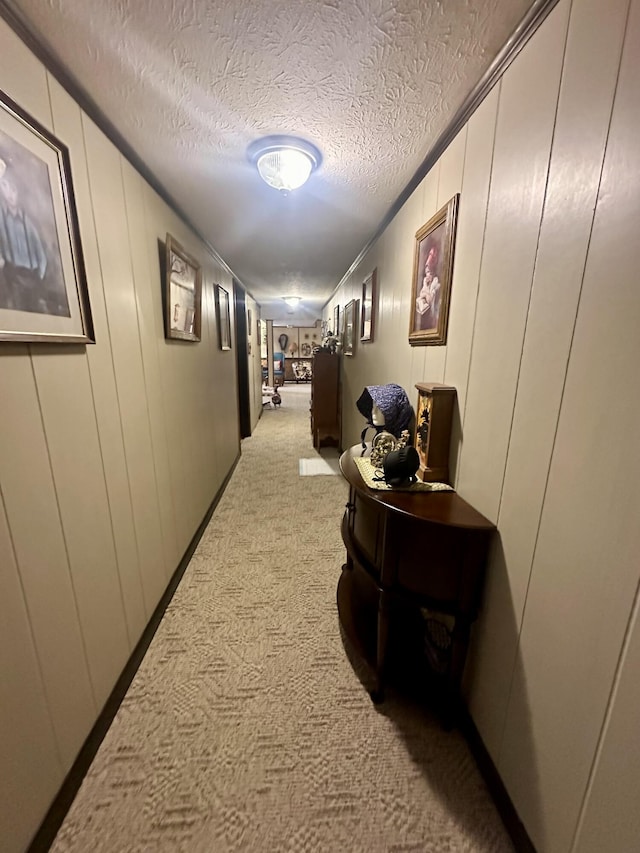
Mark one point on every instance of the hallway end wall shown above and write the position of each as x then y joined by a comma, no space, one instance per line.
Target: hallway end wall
543,349
110,456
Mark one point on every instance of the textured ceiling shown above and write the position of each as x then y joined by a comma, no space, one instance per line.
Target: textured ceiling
189,85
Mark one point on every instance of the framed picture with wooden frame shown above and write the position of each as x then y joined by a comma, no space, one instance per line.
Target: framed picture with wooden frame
223,317
350,323
432,274
368,309
336,321
183,293
43,286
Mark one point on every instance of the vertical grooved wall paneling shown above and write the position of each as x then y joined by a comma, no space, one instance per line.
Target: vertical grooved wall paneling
470,235
110,455
526,118
33,515
611,819
69,126
31,502
449,183
156,220
69,421
28,754
543,349
582,123
585,570
428,198
147,288
105,181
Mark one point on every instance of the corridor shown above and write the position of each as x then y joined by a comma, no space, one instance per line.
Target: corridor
246,728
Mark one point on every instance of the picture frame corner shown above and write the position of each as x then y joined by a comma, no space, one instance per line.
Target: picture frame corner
56,307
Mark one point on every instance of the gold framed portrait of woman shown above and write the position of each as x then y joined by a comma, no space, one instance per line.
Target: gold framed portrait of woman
432,274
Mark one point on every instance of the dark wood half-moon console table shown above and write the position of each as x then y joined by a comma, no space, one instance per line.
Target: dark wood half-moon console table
422,550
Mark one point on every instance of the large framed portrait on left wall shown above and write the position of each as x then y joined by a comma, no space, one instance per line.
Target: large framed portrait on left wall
43,286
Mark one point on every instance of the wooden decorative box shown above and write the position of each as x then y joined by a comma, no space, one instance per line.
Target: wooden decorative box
434,414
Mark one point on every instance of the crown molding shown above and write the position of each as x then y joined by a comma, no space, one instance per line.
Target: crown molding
519,38
36,43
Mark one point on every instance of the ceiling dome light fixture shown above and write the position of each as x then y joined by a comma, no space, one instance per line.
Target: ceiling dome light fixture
284,162
292,301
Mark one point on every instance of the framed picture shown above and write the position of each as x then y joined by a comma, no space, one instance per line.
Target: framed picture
336,321
183,293
223,318
43,286
367,314
350,321
432,272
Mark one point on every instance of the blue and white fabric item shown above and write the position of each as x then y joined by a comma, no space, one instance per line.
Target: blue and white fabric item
394,404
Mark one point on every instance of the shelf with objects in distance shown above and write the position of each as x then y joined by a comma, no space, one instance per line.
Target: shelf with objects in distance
410,587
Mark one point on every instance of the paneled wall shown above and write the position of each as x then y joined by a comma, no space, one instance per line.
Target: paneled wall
300,338
110,456
543,348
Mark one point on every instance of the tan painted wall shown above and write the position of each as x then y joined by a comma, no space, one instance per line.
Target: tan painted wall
543,348
110,456
297,335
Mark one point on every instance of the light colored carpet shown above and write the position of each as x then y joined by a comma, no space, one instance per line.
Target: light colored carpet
318,466
245,728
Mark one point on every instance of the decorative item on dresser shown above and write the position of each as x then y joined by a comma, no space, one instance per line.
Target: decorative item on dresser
434,414
325,399
410,588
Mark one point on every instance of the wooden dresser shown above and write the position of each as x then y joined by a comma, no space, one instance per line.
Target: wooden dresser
412,558
325,400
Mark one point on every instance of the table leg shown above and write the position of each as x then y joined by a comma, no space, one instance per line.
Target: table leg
384,601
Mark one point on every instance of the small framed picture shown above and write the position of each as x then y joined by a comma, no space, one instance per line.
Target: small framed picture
336,321
432,273
223,317
367,313
43,286
350,322
183,292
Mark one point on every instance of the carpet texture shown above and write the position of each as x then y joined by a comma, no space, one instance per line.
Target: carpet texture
246,728
318,466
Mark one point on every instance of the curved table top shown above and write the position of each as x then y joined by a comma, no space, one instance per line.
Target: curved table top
446,508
